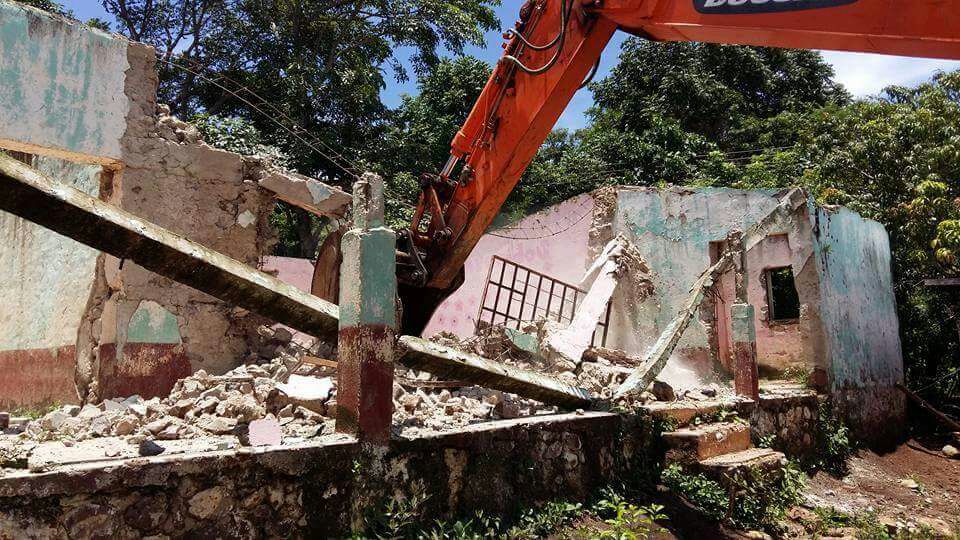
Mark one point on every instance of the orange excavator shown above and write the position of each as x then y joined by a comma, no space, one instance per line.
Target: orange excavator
555,47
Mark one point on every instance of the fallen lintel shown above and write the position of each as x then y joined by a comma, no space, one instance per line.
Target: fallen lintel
613,356
418,353
65,210
656,358
307,193
619,258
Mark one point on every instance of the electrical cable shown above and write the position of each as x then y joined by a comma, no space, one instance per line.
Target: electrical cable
403,200
590,76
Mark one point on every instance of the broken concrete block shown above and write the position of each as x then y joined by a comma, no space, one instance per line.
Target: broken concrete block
89,411
618,260
302,388
311,195
52,421
216,424
265,432
418,353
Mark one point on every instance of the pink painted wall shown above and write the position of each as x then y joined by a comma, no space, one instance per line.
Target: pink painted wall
779,345
292,271
529,242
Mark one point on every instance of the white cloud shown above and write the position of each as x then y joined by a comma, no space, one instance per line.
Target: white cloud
868,74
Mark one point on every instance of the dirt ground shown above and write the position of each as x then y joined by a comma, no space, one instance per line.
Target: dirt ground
914,485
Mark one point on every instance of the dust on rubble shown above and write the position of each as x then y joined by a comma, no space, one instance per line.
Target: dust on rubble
429,408
286,400
253,404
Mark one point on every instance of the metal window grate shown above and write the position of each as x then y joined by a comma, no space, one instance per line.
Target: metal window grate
515,294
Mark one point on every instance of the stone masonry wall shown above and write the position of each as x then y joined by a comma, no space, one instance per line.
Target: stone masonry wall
323,490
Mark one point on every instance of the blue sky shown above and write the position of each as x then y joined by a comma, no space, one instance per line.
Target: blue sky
862,74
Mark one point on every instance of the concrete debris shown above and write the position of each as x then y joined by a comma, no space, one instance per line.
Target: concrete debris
175,130
656,358
199,406
417,353
619,260
311,195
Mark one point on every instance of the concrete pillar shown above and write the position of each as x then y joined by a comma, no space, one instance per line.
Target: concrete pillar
746,380
368,318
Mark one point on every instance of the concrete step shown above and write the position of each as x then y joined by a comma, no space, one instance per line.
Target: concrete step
731,463
681,412
694,444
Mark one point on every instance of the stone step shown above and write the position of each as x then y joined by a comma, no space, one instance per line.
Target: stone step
697,443
753,458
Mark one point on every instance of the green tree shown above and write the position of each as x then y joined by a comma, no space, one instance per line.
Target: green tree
418,133
48,5
679,113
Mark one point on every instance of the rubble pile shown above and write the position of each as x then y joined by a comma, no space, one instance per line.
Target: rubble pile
423,404
419,409
601,376
198,406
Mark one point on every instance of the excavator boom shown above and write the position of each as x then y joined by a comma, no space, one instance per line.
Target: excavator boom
551,51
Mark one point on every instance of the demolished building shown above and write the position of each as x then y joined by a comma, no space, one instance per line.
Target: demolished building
79,324
235,446
818,277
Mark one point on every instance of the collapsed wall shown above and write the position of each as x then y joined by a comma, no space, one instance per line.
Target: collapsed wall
83,325
680,232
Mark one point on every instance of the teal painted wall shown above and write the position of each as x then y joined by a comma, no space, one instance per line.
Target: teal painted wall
61,85
672,228
858,307
45,278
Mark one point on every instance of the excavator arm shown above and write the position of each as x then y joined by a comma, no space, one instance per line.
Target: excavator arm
552,50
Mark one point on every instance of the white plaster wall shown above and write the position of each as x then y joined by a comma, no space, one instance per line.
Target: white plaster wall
45,278
61,86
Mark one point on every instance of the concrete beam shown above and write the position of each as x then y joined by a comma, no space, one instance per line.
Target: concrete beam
656,358
568,344
448,363
65,210
311,195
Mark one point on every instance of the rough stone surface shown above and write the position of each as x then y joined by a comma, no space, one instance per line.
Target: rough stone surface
790,416
307,491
